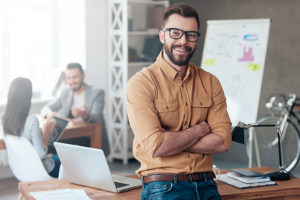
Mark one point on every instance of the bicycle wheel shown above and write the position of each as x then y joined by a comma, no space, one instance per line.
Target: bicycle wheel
268,144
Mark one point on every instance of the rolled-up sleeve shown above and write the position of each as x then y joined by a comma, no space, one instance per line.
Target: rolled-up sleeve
218,117
142,114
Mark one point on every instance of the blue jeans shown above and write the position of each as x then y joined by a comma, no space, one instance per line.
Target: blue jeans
54,173
171,190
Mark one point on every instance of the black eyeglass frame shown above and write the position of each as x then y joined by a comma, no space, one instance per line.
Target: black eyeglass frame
182,33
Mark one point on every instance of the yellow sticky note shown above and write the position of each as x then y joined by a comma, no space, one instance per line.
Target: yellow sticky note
210,61
254,67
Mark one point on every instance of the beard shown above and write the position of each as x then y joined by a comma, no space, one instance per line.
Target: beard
181,61
79,87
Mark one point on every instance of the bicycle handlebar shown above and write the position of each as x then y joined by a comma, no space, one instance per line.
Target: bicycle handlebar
282,102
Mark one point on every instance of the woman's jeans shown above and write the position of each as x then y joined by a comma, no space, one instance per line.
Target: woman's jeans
185,190
55,172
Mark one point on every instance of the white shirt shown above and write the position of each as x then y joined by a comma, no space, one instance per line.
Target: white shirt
78,100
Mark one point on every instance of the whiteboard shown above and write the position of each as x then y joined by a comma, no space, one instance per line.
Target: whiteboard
234,51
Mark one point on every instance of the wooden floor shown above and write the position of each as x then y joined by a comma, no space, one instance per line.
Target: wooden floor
9,189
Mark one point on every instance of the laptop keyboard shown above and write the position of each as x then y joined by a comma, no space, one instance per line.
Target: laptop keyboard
118,184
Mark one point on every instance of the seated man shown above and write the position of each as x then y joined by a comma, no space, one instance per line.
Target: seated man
79,102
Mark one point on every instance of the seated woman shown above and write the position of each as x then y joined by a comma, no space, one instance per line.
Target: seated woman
15,121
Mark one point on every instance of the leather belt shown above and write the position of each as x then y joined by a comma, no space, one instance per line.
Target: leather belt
180,177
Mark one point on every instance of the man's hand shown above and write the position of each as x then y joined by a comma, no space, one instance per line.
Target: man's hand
176,142
75,112
209,143
80,112
202,128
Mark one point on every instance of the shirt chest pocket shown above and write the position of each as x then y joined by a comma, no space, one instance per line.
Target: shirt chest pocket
199,110
168,114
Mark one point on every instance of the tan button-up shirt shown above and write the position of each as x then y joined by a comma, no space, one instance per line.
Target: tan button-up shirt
158,98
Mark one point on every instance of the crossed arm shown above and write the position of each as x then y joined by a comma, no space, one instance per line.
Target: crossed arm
144,120
197,139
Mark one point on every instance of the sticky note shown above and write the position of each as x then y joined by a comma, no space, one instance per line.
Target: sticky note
210,61
254,67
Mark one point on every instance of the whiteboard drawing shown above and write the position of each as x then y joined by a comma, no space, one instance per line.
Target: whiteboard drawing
220,45
247,55
234,51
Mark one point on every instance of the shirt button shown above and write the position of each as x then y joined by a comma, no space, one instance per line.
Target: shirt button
191,168
201,103
167,107
186,104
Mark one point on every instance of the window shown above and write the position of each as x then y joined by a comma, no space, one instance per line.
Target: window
38,38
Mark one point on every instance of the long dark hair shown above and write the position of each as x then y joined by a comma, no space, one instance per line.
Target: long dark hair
17,107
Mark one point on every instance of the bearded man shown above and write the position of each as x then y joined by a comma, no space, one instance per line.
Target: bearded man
79,102
178,114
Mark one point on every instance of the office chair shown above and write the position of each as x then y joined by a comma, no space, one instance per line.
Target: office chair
24,161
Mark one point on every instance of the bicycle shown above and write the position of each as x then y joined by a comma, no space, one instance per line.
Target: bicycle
283,110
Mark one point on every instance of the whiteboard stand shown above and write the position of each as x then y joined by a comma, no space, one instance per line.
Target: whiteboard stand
253,137
235,51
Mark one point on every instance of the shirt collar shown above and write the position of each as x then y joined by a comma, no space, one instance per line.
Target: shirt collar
168,69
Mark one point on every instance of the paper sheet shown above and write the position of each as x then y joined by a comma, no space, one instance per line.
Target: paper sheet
74,194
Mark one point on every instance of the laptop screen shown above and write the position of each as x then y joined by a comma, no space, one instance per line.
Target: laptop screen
88,166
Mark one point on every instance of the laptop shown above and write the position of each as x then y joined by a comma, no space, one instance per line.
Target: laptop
88,166
60,125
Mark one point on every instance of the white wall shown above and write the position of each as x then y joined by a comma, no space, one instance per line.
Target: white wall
96,43
70,19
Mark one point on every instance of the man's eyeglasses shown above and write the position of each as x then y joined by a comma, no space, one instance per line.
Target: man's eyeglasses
176,34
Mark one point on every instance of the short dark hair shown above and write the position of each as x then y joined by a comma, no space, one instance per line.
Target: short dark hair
75,66
182,9
17,106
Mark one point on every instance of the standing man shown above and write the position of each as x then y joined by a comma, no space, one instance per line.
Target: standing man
79,102
178,114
